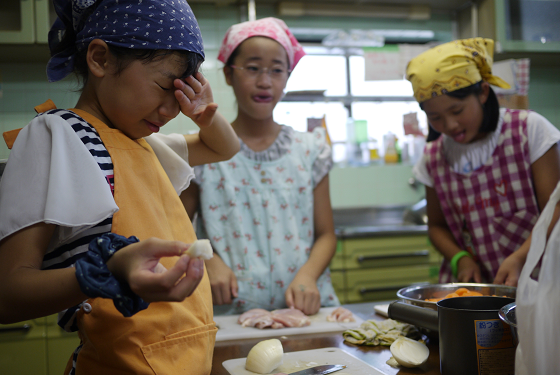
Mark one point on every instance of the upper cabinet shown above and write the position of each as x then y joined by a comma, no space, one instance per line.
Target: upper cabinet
517,26
25,21
528,25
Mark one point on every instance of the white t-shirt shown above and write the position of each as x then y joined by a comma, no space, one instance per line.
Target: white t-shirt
55,179
464,158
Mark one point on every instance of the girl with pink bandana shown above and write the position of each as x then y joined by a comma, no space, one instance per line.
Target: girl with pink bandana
266,211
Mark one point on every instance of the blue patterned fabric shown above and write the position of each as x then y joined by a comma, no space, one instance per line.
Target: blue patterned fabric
96,280
136,24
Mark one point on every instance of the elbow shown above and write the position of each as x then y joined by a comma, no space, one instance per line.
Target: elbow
233,149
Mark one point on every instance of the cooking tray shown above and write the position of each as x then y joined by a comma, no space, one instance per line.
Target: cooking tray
417,294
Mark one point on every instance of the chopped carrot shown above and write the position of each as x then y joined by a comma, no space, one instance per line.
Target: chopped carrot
472,293
461,292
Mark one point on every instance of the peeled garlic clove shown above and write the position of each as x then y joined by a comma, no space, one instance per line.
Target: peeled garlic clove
409,353
200,249
265,356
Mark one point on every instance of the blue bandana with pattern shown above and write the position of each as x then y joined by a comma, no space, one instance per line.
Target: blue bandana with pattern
136,24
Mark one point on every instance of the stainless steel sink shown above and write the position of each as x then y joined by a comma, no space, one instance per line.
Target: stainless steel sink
376,220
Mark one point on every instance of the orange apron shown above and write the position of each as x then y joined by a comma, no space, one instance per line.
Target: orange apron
167,338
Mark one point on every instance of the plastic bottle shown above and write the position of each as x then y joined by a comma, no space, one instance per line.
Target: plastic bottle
391,155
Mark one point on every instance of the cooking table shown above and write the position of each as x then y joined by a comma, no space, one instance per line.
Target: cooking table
376,356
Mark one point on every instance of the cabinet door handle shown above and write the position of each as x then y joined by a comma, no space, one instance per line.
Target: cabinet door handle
24,328
382,289
414,254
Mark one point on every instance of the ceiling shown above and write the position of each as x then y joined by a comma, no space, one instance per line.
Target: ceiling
436,5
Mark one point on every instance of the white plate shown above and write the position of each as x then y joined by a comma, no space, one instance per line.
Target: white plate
297,361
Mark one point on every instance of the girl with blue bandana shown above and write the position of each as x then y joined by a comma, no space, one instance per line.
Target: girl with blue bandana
91,222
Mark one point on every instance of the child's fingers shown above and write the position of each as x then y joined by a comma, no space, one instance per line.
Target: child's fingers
234,287
187,285
500,277
187,89
194,84
158,248
182,99
200,78
289,298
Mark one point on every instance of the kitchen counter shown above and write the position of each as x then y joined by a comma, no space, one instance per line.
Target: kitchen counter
376,356
380,230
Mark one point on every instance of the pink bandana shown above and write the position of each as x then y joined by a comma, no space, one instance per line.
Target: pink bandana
269,27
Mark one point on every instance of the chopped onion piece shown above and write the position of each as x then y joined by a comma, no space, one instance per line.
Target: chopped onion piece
265,356
409,353
200,249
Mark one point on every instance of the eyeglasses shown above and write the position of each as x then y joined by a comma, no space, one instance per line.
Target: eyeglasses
253,71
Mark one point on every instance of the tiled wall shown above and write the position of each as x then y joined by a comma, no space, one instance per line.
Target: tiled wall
24,85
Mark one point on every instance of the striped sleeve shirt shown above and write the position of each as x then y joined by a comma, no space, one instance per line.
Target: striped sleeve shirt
68,251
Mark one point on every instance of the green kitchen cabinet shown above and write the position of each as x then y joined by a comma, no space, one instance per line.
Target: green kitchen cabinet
26,21
35,347
374,268
23,349
521,28
60,346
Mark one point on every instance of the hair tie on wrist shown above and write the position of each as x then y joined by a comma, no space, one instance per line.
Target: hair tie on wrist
96,280
455,260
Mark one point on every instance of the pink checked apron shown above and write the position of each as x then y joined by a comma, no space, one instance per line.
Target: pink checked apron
490,211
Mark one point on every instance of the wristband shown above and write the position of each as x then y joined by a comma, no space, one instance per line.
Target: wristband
96,280
455,260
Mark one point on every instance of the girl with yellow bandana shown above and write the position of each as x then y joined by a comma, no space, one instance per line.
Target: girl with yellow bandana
488,171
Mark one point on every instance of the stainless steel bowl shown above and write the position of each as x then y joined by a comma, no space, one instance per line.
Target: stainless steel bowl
507,314
417,294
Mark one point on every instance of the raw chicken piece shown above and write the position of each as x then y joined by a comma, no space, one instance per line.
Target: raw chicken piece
341,315
291,317
250,314
260,318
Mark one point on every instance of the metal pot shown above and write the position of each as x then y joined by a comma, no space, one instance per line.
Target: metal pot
417,294
472,338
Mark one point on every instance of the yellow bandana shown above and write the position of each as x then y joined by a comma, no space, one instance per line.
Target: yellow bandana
452,66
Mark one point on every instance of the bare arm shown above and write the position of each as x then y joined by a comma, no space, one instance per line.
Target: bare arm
26,291
222,279
191,199
302,293
546,174
216,140
444,242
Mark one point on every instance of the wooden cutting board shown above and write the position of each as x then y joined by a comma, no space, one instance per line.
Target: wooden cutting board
297,361
229,329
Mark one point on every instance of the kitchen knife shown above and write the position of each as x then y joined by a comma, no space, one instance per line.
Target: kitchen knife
319,370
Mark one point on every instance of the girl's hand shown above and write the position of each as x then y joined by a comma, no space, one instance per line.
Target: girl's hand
195,98
509,270
138,264
468,270
222,281
303,294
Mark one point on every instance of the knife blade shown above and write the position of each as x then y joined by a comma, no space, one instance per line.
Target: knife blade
319,370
